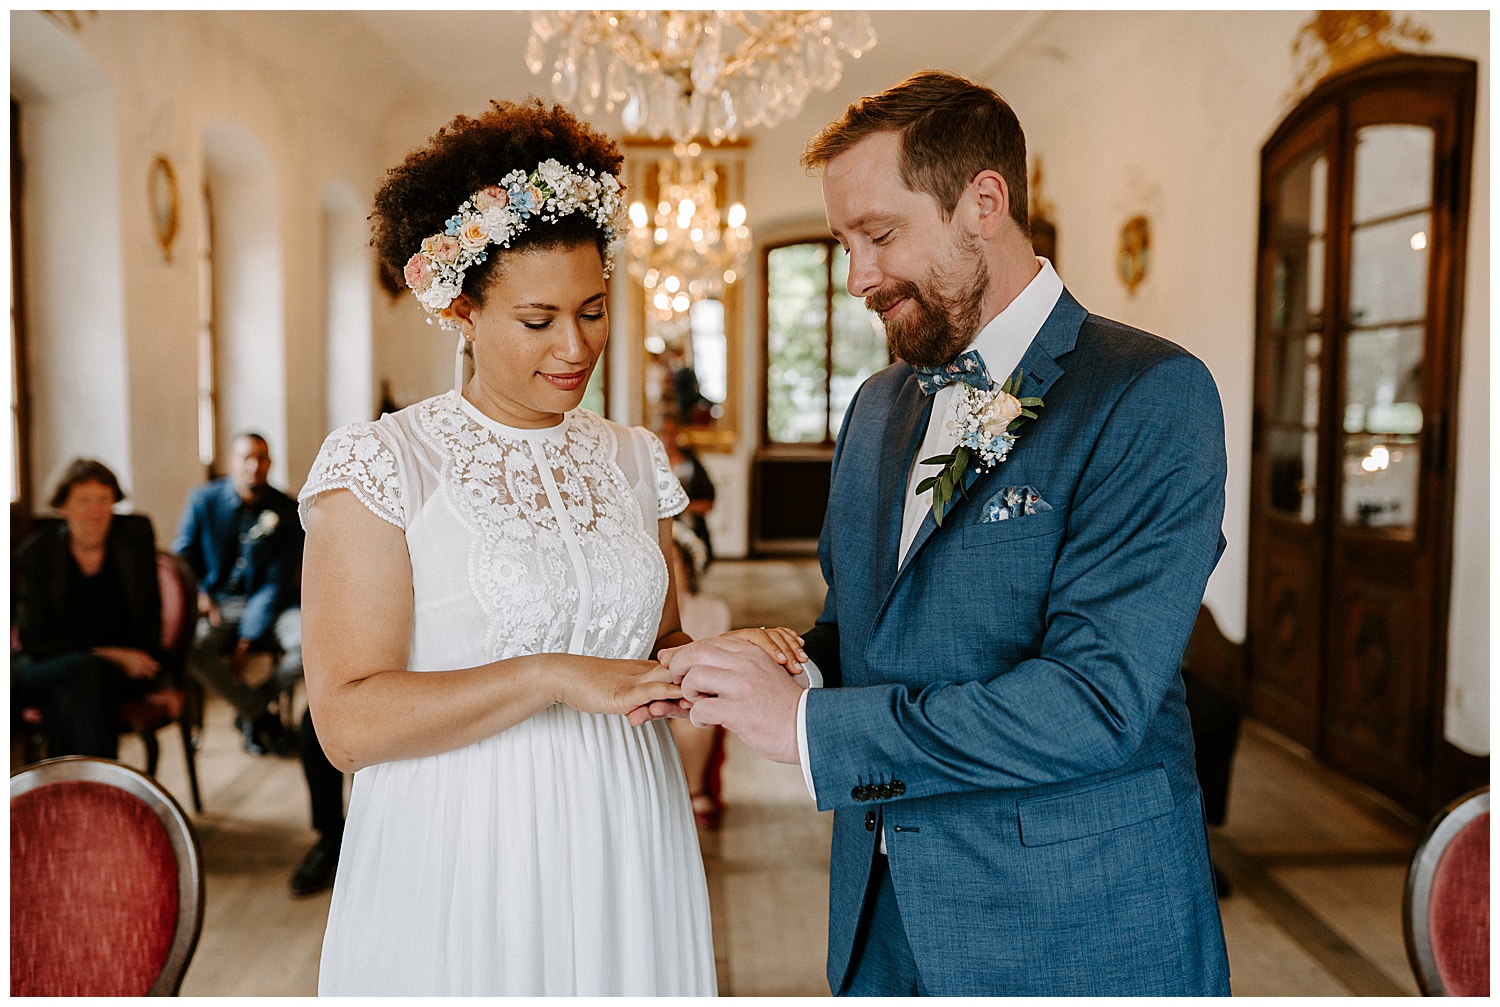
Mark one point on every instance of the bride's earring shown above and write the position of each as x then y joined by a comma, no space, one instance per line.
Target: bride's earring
458,362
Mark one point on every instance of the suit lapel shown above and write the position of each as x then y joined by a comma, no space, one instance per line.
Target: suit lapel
1057,336
903,436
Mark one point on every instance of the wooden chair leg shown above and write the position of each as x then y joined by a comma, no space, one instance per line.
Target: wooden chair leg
153,751
188,751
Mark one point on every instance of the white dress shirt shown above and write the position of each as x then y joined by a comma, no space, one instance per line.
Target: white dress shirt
1001,343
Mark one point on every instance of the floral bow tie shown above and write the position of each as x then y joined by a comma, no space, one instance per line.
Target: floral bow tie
967,367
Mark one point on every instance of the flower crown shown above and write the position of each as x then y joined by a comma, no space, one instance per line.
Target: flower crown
499,212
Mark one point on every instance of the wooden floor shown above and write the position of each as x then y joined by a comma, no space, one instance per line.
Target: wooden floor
1317,863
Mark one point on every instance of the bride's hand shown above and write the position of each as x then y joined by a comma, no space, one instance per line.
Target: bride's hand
662,709
597,685
782,645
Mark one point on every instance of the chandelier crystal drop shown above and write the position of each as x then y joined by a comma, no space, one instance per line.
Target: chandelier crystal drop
689,74
685,249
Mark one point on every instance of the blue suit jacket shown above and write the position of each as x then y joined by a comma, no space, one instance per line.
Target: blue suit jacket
1008,700
208,538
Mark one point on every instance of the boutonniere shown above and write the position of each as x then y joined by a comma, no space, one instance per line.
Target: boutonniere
264,525
986,422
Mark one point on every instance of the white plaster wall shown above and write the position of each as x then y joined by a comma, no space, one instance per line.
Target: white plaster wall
1467,713
248,294
351,391
74,286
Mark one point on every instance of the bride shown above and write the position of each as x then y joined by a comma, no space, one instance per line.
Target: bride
484,592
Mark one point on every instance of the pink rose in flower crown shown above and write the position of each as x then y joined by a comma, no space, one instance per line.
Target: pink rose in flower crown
490,196
417,272
474,235
1000,413
442,248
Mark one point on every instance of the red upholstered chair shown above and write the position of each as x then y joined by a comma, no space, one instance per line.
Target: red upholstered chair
181,702
1447,911
106,884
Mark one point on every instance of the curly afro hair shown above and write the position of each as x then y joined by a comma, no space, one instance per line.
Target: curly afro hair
422,192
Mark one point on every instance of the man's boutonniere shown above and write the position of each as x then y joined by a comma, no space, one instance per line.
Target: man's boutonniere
264,525
986,422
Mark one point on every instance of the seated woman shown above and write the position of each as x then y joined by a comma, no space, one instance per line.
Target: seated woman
88,612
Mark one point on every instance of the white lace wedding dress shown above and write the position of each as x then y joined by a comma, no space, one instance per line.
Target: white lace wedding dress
559,856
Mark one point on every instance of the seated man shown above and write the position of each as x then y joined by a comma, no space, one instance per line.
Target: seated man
243,539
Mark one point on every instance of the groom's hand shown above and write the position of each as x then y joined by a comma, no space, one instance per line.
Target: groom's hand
738,685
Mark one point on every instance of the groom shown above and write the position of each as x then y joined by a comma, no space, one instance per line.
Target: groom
1001,730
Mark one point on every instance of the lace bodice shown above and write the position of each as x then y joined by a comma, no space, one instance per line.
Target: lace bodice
521,541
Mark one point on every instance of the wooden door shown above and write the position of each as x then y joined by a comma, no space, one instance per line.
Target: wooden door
1364,206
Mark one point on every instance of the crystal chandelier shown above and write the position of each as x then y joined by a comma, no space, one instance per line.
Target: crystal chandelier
690,74
684,249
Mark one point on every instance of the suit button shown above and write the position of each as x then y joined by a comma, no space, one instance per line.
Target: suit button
859,794
898,788
883,792
869,821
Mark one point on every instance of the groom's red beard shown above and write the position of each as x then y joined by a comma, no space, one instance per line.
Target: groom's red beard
939,323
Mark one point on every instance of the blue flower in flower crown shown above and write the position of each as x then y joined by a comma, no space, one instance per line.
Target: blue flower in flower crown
522,199
452,224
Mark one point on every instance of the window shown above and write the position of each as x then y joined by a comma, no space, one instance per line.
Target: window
821,343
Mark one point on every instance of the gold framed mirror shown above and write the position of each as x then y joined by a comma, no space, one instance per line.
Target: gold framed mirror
688,254
161,188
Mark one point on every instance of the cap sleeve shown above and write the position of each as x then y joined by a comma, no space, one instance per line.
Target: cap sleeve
670,498
358,459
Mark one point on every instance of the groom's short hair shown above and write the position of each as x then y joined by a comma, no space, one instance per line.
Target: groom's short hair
951,129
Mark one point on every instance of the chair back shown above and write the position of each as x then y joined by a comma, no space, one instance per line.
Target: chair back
179,602
1447,911
106,882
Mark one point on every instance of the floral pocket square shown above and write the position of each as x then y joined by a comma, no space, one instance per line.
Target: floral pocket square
1012,502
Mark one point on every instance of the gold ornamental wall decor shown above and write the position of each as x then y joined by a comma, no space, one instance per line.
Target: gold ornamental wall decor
1134,260
1337,40
161,189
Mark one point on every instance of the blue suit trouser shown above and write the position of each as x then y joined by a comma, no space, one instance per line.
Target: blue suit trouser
882,964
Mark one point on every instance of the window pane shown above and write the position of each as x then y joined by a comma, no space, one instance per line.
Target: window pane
796,327
710,349
1301,211
1297,374
1388,271
1293,488
858,343
1383,381
1392,171
1380,481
